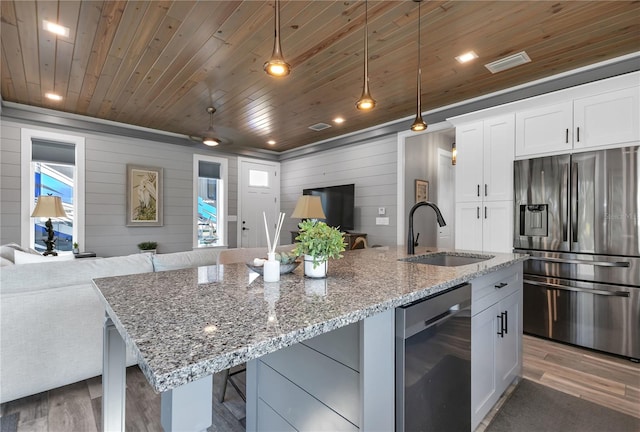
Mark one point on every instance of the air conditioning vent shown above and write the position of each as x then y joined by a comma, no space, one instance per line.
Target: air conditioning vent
508,62
319,126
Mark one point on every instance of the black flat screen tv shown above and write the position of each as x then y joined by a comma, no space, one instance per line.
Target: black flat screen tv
337,203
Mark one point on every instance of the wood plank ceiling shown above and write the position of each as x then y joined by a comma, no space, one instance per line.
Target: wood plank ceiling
160,64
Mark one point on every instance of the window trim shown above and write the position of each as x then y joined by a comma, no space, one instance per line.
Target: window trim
27,183
223,216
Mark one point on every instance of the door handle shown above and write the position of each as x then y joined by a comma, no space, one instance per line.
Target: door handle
478,212
578,133
574,203
583,290
577,261
501,331
564,208
485,212
501,285
245,229
478,190
485,189
566,136
506,321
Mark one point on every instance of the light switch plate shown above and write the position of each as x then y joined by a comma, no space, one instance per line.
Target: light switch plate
381,211
382,221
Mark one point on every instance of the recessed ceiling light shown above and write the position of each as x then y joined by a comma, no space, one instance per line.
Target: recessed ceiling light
467,57
271,142
338,120
53,96
55,28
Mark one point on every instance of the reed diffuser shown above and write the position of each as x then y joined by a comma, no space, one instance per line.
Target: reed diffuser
271,271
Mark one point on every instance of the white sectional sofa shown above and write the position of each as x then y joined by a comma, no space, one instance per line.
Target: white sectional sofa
51,318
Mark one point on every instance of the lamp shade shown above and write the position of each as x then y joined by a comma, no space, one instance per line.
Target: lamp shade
49,206
308,207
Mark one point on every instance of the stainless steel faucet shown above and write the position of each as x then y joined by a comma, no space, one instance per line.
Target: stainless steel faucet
410,240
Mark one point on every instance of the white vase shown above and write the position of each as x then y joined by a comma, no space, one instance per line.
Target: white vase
320,269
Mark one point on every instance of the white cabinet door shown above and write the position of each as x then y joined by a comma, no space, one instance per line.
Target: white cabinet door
608,118
508,359
484,338
468,226
497,226
498,156
469,162
544,129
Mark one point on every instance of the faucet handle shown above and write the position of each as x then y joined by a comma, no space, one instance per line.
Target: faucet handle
415,242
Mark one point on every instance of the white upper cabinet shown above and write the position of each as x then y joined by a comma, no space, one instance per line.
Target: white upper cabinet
606,119
498,156
597,115
544,129
469,146
484,167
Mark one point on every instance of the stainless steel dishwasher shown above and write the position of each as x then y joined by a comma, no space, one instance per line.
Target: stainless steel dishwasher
433,363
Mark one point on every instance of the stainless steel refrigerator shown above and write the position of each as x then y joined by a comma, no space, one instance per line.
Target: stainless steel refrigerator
577,216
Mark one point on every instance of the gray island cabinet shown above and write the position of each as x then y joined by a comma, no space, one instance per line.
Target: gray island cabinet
319,352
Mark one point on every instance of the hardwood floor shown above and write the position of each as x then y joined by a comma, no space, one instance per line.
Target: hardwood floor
606,380
603,379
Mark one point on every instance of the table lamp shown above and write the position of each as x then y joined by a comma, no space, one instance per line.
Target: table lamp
308,207
49,206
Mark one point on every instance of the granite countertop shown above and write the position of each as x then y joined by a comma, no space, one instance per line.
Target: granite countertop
187,324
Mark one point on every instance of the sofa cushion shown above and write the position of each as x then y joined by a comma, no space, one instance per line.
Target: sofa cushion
47,275
188,259
7,251
28,258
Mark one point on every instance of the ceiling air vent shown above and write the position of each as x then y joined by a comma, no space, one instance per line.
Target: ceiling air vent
319,126
508,62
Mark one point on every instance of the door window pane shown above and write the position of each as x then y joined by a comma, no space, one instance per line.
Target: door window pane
57,180
258,178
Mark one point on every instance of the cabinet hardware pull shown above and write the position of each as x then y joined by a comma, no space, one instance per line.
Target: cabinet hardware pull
478,212
501,285
485,189
566,136
506,322
485,212
478,190
578,133
500,332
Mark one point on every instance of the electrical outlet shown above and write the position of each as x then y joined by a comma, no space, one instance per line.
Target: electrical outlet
382,221
381,211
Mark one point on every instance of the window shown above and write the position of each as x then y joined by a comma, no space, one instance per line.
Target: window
210,202
53,164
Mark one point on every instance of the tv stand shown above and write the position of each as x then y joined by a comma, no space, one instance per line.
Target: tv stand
350,238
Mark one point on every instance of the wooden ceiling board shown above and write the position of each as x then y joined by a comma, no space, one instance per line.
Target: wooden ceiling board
159,64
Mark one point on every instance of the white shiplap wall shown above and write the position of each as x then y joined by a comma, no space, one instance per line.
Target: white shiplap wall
106,159
371,166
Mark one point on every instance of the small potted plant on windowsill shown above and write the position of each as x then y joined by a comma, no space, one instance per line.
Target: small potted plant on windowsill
76,248
318,242
148,247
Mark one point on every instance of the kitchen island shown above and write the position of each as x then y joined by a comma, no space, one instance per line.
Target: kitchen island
185,325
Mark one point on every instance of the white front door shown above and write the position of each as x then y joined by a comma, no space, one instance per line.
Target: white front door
446,199
259,184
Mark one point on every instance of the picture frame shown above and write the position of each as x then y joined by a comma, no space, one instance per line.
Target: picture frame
144,196
422,190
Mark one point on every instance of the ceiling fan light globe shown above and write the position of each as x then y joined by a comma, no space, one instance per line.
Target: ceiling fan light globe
211,142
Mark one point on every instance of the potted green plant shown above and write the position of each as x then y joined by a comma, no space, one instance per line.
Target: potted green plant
76,248
318,242
148,247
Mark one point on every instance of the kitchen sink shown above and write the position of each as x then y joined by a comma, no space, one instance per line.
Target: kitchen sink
446,259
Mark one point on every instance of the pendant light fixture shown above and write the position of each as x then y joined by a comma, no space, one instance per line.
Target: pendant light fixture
454,154
419,124
210,138
276,66
366,102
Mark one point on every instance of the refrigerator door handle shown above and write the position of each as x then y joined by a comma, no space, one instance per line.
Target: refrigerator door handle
564,208
584,290
574,202
576,261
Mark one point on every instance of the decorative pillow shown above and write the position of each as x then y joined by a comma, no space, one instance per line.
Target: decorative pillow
7,251
27,258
